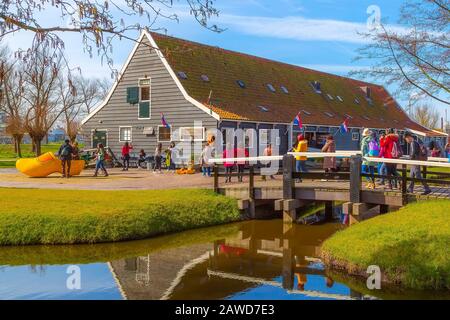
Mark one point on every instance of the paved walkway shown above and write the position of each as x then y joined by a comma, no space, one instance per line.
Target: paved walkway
133,179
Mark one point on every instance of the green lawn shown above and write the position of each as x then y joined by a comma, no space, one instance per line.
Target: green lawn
31,216
7,150
411,246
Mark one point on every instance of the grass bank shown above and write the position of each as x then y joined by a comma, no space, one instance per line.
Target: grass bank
410,246
31,216
8,157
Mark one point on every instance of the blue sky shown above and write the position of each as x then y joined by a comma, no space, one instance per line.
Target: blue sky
319,34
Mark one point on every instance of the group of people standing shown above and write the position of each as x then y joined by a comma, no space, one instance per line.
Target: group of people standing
388,146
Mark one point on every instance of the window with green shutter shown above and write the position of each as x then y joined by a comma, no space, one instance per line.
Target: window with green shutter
144,110
133,95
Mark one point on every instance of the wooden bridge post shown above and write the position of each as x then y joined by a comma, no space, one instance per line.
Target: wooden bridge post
288,179
355,178
251,183
404,184
289,205
216,178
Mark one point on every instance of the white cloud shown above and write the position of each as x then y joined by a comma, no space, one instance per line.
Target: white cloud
298,28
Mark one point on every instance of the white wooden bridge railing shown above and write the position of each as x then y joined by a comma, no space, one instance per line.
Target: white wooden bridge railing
354,176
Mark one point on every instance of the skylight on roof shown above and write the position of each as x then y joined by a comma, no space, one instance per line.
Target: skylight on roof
348,116
284,89
330,96
306,112
366,117
263,108
357,101
182,75
340,98
316,86
329,114
271,88
204,77
241,83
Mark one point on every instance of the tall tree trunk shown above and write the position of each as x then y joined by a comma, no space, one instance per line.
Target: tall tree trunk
37,146
18,147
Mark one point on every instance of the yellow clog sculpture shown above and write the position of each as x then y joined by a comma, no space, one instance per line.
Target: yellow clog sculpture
47,164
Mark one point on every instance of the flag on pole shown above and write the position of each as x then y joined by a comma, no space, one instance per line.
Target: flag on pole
164,122
344,126
298,121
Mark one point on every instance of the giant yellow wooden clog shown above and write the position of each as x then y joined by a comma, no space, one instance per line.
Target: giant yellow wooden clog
45,165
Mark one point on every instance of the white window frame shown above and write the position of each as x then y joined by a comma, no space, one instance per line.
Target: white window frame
149,96
184,128
356,136
120,133
157,134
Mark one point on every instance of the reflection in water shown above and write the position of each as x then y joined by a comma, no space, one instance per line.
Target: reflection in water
260,261
250,260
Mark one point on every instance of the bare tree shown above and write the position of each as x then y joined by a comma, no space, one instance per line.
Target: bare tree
91,92
11,102
427,116
416,56
70,104
41,80
98,23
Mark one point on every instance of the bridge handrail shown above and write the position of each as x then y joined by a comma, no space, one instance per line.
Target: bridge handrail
445,160
341,154
408,162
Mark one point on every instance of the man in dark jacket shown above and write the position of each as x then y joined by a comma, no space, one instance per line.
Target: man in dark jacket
65,154
415,153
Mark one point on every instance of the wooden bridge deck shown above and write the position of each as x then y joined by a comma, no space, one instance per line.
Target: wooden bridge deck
317,190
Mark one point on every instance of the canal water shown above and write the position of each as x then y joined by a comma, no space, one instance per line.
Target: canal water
248,260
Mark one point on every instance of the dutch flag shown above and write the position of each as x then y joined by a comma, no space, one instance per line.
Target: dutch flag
164,122
344,126
298,121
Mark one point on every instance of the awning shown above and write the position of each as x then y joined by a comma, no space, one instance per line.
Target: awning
428,133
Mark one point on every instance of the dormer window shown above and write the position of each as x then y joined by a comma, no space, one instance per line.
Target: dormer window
182,75
271,88
316,86
241,84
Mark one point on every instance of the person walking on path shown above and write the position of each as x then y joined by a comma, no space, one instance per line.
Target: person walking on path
65,155
241,152
206,155
416,152
158,158
369,148
329,163
447,148
126,155
391,150
75,151
302,146
100,160
382,170
268,153
170,157
228,153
